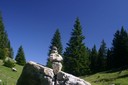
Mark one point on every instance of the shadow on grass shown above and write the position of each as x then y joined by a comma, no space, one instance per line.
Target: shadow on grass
123,76
118,69
104,80
110,79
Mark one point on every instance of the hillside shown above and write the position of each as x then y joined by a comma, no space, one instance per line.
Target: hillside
103,78
8,76
108,78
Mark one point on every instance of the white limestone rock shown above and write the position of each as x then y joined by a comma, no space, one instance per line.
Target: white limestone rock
36,74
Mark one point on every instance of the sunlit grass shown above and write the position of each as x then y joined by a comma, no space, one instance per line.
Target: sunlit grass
103,78
8,76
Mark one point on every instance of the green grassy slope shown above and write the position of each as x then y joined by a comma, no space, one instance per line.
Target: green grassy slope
8,76
113,78
103,78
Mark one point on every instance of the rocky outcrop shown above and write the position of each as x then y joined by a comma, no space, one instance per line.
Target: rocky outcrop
36,74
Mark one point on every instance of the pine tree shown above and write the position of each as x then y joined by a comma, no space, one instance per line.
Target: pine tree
5,47
102,56
120,48
110,59
3,35
76,58
11,53
93,56
20,57
56,41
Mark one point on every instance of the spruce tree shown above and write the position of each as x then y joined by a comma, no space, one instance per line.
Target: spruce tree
11,53
110,63
3,34
120,48
20,57
5,47
102,56
56,41
93,58
76,58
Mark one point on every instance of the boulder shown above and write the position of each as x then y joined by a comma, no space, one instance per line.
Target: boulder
36,74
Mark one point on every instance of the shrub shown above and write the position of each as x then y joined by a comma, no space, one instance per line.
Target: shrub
8,62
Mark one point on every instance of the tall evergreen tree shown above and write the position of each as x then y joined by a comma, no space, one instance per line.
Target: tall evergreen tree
102,56
11,53
5,47
120,48
56,41
110,59
76,58
20,57
2,33
93,58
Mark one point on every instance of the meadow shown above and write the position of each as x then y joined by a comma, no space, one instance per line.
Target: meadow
10,77
108,78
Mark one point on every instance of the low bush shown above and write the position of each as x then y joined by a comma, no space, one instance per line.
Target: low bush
8,62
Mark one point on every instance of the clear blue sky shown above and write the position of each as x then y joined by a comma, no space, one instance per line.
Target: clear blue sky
32,23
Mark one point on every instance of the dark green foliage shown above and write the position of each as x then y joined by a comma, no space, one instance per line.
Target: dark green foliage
20,57
2,54
3,35
8,62
5,47
120,48
102,57
93,59
49,63
56,41
110,59
76,58
3,39
11,53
